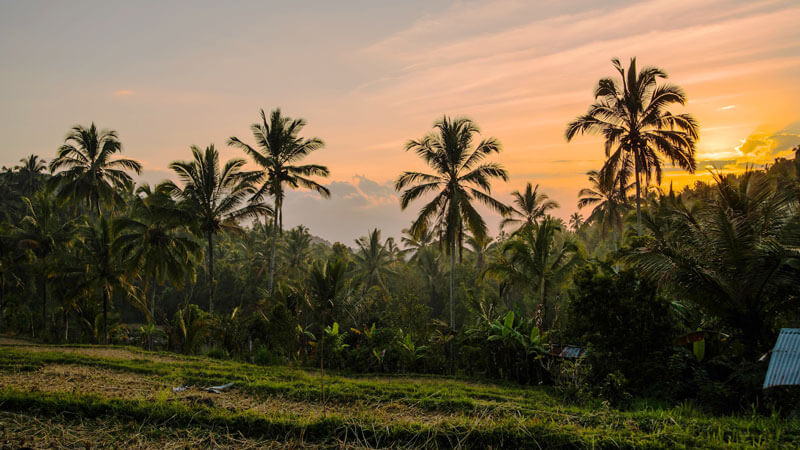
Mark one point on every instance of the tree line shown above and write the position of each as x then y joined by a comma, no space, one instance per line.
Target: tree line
670,294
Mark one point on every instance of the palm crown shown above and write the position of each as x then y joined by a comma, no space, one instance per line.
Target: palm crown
631,115
88,170
531,205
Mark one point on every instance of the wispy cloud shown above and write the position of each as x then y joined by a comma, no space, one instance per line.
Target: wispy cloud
123,93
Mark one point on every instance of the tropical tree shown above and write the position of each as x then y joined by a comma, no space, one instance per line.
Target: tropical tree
461,178
279,148
30,173
156,236
372,261
216,197
479,246
45,233
631,114
530,207
539,258
88,171
102,269
609,203
414,244
575,221
735,255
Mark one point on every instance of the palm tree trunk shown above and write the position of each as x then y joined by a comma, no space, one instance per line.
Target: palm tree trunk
44,302
66,325
638,199
210,268
105,317
543,302
272,251
452,304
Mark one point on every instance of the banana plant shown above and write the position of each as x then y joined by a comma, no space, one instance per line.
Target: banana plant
411,352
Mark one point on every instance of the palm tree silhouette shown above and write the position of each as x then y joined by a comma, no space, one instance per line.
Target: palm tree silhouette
279,148
631,115
461,178
215,196
87,170
530,207
610,204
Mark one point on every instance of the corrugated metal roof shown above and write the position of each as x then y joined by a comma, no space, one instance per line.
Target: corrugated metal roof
567,351
784,364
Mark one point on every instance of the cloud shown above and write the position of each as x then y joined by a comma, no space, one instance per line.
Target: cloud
123,93
728,107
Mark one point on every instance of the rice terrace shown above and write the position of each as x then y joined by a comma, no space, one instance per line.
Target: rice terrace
436,224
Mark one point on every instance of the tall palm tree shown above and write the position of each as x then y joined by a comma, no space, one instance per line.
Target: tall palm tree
631,115
530,207
156,235
575,221
539,258
30,172
215,196
44,232
610,204
103,269
88,171
480,247
461,178
373,260
280,147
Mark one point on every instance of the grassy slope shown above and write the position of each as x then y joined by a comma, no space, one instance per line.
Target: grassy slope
45,388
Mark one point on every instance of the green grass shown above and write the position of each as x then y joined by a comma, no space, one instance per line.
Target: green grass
372,411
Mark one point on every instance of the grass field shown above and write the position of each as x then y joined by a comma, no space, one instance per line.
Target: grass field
112,396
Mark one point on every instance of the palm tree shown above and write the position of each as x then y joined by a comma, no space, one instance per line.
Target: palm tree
103,269
575,221
415,244
30,172
480,247
610,204
461,178
297,252
734,254
530,207
44,233
539,257
88,172
156,236
631,115
279,148
372,260
215,195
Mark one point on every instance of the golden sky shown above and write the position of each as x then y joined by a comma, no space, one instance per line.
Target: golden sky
370,75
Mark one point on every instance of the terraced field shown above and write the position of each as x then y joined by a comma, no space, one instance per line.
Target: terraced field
125,397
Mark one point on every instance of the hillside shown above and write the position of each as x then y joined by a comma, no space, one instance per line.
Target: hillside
117,396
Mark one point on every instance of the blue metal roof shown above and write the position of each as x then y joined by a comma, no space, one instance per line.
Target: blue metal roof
784,364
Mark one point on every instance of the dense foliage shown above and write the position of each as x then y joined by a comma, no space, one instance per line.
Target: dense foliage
88,257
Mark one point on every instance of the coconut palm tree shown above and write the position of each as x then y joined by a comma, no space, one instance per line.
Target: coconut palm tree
103,269
539,258
373,260
631,114
279,148
45,233
157,237
461,178
30,173
609,203
575,221
414,244
530,207
88,171
734,254
215,196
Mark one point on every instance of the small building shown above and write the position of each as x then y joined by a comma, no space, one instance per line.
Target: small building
784,364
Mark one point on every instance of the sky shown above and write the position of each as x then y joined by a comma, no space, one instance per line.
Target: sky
370,75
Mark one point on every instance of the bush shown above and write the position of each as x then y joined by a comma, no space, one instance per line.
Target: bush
625,324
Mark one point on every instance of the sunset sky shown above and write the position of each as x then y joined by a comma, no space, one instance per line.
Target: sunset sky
369,75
